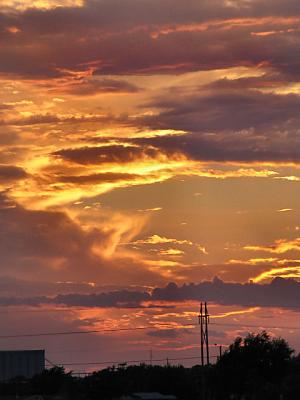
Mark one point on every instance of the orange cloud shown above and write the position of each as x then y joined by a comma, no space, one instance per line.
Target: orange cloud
198,170
151,209
237,312
172,252
21,5
291,178
229,24
270,33
156,239
254,261
13,29
283,272
279,247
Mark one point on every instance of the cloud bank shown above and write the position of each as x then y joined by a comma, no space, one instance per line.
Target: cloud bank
279,292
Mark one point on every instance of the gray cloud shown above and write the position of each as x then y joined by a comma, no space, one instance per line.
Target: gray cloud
97,178
106,154
50,246
11,287
95,86
120,299
8,136
278,293
119,36
208,112
165,333
264,126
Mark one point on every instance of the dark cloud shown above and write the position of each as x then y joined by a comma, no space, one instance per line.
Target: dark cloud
228,125
165,333
265,126
98,178
43,237
50,246
120,37
11,287
131,12
96,86
242,147
278,293
134,52
120,299
125,299
36,119
10,173
267,81
209,112
4,107
18,301
116,14
107,154
14,287
8,136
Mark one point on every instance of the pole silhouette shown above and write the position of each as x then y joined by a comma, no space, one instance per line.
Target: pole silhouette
204,342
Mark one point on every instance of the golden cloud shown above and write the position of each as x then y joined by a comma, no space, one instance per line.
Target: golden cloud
282,272
172,252
21,5
279,247
156,239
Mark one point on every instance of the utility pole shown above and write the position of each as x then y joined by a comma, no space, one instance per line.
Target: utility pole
203,322
201,333
151,356
220,349
206,317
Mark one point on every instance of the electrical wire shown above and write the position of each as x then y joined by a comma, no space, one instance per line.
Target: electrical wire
140,328
129,361
73,332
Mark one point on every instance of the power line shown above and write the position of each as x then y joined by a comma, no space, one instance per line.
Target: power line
50,362
137,328
129,361
73,332
140,328
94,350
37,310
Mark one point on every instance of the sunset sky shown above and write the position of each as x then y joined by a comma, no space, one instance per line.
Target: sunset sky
143,143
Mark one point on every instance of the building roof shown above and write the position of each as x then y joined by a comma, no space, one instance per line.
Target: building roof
152,396
23,351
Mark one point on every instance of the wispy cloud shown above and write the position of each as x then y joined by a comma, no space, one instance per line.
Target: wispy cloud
280,246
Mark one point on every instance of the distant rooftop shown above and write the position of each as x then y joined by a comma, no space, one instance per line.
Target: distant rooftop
22,351
149,396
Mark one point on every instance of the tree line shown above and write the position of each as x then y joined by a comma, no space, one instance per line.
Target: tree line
257,367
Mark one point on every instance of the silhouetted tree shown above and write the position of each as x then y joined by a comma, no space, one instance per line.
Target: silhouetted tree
52,381
258,367
253,367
